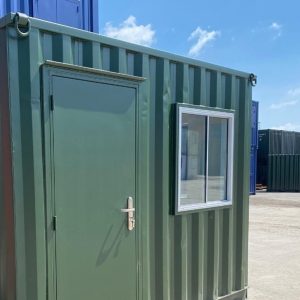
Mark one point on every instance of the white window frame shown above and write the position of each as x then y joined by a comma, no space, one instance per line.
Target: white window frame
229,115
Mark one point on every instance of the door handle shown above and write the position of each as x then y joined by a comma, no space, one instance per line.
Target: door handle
127,209
130,211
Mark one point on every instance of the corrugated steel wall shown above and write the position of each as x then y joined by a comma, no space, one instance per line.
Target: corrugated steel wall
254,124
278,142
254,145
273,146
193,256
7,242
284,173
82,14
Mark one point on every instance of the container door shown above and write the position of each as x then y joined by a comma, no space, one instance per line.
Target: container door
94,157
69,12
45,9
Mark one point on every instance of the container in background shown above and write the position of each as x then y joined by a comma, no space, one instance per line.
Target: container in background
278,153
284,173
254,145
81,14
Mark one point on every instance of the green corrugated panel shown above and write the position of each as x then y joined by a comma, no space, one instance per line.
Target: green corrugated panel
275,142
295,176
289,173
7,238
199,256
281,173
297,172
284,173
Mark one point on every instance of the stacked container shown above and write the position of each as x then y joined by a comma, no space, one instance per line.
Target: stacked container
278,155
82,14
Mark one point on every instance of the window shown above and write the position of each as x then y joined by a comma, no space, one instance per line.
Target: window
204,157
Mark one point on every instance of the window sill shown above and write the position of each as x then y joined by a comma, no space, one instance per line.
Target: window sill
203,207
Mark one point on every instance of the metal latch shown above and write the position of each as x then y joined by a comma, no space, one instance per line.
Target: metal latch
54,223
130,211
22,20
253,79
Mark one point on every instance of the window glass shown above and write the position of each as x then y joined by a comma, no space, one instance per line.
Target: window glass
205,158
217,159
193,159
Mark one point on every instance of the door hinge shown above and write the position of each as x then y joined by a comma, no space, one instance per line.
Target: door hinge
54,223
51,103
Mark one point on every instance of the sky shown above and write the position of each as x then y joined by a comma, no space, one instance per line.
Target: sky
258,36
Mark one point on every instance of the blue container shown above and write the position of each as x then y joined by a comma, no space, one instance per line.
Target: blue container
254,146
253,169
82,14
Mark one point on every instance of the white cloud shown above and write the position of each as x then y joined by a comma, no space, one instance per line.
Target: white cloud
294,92
288,127
129,31
202,38
282,104
291,98
276,28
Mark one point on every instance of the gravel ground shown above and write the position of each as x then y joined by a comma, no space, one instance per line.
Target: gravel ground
274,246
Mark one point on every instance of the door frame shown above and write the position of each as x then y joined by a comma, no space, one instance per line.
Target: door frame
54,69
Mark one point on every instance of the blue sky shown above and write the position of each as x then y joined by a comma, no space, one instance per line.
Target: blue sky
258,36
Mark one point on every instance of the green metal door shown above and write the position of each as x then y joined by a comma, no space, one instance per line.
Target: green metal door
94,157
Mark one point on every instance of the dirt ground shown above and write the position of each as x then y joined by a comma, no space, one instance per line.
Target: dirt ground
274,246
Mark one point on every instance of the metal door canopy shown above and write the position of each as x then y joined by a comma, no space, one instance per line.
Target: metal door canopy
200,255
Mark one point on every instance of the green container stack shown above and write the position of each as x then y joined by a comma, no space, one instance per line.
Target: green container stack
278,155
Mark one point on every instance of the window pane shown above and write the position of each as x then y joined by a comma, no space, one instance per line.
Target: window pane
193,148
217,159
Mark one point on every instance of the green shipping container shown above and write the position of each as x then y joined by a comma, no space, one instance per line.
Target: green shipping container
284,173
124,170
275,150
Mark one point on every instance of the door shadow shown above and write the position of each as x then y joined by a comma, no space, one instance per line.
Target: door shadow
111,244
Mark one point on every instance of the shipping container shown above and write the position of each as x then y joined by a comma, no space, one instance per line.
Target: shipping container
82,14
273,141
254,146
275,149
253,167
284,173
297,143
254,123
108,186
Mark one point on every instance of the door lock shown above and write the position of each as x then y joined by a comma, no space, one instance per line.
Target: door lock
130,210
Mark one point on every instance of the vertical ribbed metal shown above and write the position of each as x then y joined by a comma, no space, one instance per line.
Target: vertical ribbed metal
277,160
8,282
84,14
284,173
254,146
199,256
